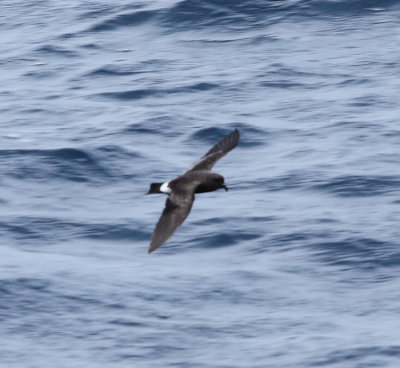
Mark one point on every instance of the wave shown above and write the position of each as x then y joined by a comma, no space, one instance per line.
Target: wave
131,19
251,138
349,7
360,356
360,185
224,239
242,15
341,186
235,15
363,253
64,163
42,230
53,50
137,94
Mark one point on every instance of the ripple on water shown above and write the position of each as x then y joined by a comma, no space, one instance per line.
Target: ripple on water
71,164
359,185
138,94
40,230
131,19
360,253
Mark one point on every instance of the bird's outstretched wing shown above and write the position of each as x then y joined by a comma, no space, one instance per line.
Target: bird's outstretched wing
177,208
214,154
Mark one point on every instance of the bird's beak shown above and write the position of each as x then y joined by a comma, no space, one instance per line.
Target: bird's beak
225,187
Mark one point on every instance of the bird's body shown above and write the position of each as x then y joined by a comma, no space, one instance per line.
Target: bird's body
197,179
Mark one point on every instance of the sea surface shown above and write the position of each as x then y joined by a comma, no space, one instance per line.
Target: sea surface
297,265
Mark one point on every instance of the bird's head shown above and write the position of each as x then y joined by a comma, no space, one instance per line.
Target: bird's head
217,181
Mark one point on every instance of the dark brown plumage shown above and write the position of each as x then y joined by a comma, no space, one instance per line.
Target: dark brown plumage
197,179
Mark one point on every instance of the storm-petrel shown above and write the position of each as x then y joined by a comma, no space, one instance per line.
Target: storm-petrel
197,179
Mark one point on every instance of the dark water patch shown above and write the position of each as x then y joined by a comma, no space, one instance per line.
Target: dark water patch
35,110
360,253
120,69
368,101
67,35
138,94
41,73
143,128
48,164
328,8
285,84
284,70
132,19
42,230
288,240
235,14
98,11
354,125
31,230
11,286
283,242
233,220
119,163
115,158
210,241
118,306
85,300
15,60
209,135
115,232
239,15
358,357
292,180
291,239
359,186
224,239
113,71
18,230
224,293
353,82
32,303
51,50
52,97
90,46
116,152
22,295
162,126
202,86
391,133
126,323
249,136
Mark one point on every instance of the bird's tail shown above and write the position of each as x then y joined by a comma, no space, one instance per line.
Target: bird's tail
155,188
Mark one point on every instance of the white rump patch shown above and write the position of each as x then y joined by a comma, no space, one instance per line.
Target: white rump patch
165,188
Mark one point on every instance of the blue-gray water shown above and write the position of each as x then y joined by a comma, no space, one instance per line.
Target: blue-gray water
296,266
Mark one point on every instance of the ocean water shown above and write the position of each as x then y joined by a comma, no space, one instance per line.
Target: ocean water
296,266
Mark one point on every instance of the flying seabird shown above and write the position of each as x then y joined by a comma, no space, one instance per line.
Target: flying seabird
197,179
